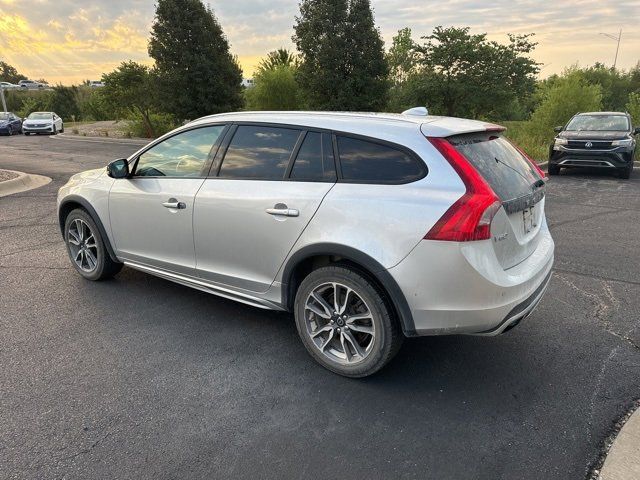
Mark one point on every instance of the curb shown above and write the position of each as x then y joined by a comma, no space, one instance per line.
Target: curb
623,459
22,183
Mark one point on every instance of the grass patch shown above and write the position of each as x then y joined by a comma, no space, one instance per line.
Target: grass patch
536,147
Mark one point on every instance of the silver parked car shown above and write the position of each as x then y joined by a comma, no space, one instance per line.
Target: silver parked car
368,227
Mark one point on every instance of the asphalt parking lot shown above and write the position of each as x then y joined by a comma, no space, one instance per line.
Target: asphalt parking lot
142,378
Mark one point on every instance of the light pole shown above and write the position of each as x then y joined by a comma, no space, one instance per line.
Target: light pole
4,103
617,39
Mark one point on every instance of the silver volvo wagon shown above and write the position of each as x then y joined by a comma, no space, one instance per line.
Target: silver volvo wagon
367,227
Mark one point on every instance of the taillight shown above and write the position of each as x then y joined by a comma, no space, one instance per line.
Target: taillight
469,218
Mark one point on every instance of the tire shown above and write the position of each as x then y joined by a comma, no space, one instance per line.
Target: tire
94,262
55,131
554,170
375,349
27,133
62,128
10,131
626,172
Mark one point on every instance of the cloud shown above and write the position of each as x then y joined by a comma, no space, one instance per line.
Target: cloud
67,41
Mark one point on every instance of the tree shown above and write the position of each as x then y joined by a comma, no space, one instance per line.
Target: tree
64,101
320,39
342,63
615,85
9,73
567,96
198,75
402,57
467,75
275,89
404,73
132,89
367,73
278,58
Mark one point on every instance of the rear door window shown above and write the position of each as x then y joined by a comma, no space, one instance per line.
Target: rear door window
259,152
505,169
365,161
315,162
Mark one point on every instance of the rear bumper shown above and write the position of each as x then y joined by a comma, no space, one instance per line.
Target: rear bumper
460,288
570,158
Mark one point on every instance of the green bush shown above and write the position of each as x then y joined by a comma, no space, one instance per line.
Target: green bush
520,133
162,123
569,95
275,89
633,107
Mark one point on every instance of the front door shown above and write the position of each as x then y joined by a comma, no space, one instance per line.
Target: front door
151,212
248,218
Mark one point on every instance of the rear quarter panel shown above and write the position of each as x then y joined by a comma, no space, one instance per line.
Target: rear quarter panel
386,221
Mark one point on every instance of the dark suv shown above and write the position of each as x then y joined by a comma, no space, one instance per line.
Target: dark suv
595,139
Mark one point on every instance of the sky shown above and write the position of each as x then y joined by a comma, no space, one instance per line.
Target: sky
66,41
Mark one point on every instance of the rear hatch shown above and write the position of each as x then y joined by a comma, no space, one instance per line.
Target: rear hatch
515,229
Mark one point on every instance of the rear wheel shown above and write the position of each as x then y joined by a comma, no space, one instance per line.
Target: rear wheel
345,323
86,247
554,170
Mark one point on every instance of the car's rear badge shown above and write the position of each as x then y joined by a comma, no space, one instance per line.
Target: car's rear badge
499,238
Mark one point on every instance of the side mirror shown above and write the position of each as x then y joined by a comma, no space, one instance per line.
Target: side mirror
118,168
636,131
558,129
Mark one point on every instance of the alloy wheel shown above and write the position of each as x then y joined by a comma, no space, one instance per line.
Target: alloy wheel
339,323
82,245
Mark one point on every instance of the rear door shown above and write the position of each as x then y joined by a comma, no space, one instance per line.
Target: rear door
516,227
258,201
151,212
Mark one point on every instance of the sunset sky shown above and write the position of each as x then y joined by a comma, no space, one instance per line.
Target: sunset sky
69,41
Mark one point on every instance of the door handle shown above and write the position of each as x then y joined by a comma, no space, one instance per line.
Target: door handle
173,203
281,210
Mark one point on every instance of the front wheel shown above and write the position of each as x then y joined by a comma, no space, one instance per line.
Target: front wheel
626,172
62,128
345,323
86,247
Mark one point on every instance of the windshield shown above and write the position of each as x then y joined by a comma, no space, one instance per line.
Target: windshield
40,116
4,116
598,123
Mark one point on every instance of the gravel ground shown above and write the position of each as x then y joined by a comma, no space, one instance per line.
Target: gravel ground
7,175
109,128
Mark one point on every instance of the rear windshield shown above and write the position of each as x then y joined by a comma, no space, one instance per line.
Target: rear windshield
598,123
507,172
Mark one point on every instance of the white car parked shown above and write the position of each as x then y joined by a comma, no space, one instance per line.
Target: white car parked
30,85
42,122
8,86
367,227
